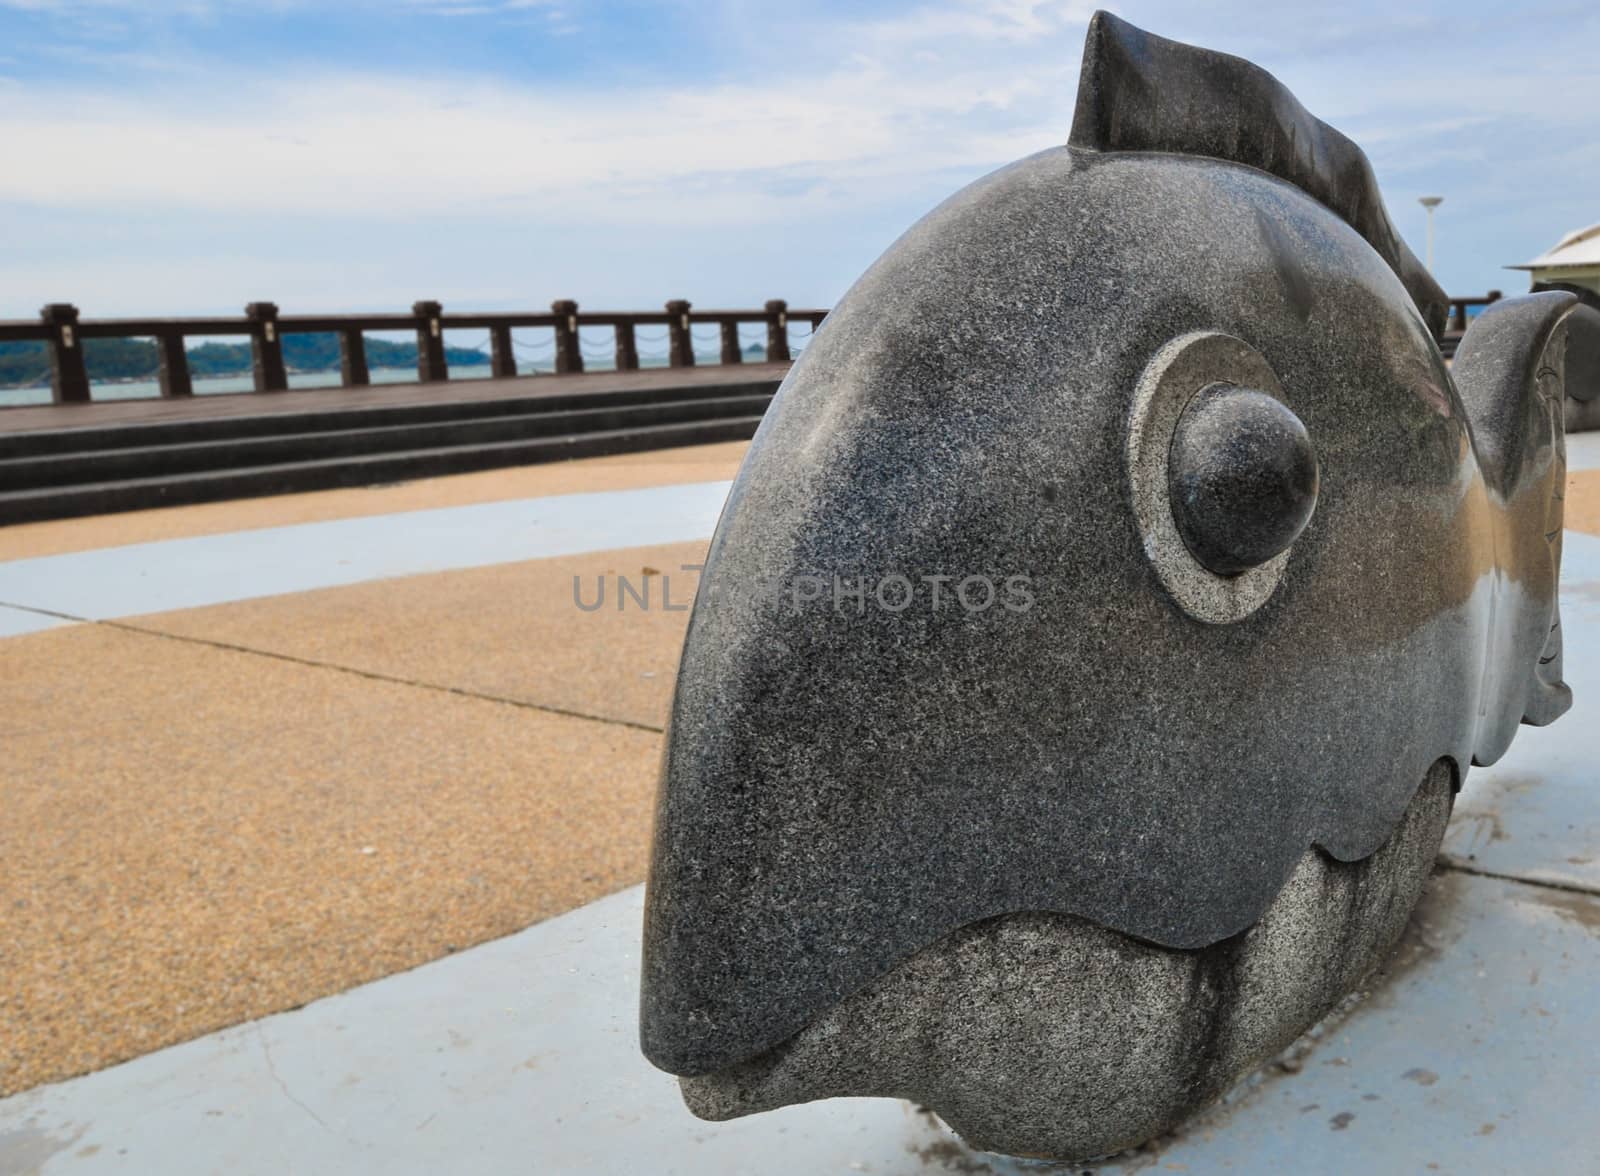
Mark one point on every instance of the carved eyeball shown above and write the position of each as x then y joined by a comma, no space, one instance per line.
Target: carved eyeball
1242,475
1222,474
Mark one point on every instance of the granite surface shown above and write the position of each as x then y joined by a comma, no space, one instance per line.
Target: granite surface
1511,372
845,784
948,664
1044,1034
1141,92
1582,407
1208,361
1242,478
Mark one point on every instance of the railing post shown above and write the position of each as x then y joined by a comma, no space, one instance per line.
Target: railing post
353,358
502,356
777,331
681,350
430,342
266,347
69,375
730,341
627,348
174,373
1458,315
568,357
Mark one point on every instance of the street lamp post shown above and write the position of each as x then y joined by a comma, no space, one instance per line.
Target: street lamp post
1430,203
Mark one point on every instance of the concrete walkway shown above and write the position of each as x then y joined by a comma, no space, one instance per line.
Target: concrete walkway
1476,1054
52,590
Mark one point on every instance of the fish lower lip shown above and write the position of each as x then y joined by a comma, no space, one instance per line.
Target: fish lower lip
1015,1028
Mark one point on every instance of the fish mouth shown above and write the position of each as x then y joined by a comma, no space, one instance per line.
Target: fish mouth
1043,1034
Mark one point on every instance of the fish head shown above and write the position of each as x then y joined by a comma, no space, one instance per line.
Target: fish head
952,653
1116,548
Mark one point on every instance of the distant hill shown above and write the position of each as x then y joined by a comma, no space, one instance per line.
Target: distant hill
26,364
23,364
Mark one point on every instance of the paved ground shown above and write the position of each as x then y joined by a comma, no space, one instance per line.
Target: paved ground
189,856
1474,1056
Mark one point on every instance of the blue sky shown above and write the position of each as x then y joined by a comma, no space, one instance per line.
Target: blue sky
186,157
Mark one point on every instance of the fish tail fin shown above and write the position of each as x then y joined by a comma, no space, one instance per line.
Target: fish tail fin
1519,366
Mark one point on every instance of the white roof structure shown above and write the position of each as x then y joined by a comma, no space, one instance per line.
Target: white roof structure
1579,249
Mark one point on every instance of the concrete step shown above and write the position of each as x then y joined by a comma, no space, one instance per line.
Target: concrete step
55,502
165,460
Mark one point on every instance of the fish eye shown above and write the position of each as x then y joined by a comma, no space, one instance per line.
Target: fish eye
1242,477
1223,473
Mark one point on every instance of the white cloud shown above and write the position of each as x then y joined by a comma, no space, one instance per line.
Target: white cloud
391,147
1015,21
808,126
554,9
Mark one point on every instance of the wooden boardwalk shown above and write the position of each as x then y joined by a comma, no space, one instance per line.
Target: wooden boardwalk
152,410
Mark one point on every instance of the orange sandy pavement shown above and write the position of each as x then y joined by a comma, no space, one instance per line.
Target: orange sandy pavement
1583,501
220,813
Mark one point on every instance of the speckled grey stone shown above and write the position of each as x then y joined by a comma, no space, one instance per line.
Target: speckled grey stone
1242,478
1166,389
1046,1035
1049,714
1141,92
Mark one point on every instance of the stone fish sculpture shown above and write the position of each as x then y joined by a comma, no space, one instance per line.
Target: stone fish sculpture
1063,865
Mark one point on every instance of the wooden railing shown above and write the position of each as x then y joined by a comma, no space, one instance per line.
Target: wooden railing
1458,309
60,327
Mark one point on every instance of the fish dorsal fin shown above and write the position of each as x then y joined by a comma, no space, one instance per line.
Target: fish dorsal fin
1141,92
